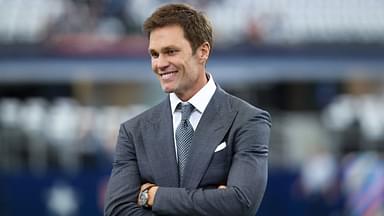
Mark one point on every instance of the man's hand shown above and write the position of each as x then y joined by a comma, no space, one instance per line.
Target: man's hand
151,192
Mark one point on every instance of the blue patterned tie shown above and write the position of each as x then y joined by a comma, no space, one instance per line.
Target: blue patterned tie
184,134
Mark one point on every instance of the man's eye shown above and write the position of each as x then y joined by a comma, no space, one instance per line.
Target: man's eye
154,55
172,52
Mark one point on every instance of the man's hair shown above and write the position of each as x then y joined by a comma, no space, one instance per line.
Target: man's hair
196,27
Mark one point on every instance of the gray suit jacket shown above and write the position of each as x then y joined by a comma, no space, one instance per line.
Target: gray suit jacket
145,152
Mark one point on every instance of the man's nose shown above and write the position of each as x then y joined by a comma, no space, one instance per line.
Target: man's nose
162,62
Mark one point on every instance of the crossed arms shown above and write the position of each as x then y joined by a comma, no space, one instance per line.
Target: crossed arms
245,184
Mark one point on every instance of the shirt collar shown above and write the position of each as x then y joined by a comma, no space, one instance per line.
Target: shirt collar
200,100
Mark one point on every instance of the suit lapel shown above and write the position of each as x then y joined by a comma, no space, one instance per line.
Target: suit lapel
160,146
213,125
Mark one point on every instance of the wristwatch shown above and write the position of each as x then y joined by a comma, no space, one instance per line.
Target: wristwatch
143,197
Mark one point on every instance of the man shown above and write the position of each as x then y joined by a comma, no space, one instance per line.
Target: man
199,152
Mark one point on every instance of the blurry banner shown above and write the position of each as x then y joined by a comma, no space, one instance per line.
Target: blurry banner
364,184
55,193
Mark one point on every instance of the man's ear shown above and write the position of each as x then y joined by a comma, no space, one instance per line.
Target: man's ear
203,52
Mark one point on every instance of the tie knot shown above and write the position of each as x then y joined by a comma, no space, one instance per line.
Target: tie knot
186,110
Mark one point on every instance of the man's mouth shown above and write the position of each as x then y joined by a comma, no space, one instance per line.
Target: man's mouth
168,75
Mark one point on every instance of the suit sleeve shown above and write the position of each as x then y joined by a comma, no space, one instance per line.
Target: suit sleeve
246,181
124,183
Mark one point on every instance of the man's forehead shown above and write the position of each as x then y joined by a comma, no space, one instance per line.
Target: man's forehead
163,38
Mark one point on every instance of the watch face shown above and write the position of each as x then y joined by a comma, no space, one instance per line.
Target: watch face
143,198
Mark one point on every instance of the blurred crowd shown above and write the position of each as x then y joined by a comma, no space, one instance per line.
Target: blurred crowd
346,175
235,22
360,116
39,135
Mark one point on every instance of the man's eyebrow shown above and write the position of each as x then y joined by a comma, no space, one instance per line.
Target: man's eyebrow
168,48
164,49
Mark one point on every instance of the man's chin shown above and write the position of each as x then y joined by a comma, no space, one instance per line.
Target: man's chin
167,90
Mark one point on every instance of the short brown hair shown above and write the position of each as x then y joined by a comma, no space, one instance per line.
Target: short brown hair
197,28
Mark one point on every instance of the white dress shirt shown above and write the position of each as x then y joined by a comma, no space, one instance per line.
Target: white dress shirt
200,101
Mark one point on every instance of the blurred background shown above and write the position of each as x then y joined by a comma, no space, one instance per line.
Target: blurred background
72,70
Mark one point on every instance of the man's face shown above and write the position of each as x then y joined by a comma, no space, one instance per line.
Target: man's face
178,70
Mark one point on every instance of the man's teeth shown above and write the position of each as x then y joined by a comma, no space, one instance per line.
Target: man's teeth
167,75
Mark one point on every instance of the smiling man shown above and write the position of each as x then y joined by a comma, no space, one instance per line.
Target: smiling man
199,152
